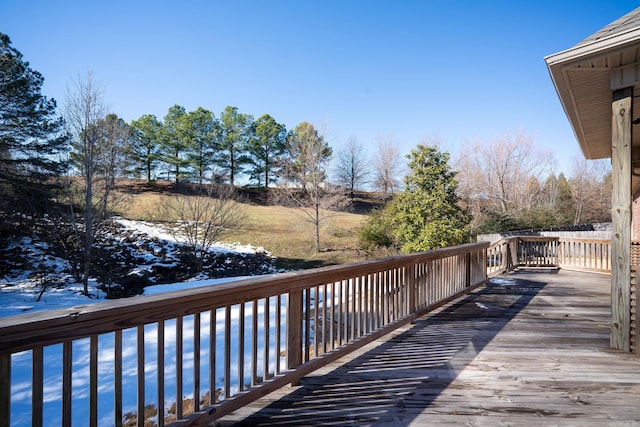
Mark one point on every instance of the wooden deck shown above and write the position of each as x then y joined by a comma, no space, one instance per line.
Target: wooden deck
530,348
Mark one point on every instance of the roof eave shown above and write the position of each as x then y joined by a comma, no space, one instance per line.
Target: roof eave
580,55
584,51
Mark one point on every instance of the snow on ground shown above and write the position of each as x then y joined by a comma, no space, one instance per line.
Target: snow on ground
21,366
22,290
502,281
21,293
160,232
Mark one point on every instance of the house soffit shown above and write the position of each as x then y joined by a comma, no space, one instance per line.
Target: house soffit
585,75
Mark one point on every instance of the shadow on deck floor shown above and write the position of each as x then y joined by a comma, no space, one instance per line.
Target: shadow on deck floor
529,348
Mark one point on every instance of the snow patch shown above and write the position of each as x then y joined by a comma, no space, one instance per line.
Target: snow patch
502,281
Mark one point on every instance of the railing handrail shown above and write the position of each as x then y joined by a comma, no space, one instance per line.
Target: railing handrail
19,332
323,312
575,253
328,312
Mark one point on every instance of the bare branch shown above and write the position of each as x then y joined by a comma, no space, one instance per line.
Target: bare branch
202,216
387,165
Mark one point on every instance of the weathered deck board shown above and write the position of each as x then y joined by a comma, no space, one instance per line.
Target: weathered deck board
529,350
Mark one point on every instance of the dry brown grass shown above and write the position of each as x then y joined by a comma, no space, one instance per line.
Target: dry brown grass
281,231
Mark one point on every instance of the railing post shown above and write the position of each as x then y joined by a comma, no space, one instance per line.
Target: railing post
513,253
294,329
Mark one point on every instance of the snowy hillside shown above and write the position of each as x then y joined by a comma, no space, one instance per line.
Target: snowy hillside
22,291
144,257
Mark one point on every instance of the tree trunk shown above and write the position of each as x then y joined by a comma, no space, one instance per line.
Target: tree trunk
266,176
317,207
88,236
232,168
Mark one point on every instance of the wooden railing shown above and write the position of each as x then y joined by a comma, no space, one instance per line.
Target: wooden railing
194,355
532,251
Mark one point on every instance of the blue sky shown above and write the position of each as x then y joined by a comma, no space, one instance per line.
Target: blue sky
457,71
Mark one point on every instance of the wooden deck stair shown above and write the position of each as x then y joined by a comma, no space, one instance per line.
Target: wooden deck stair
530,348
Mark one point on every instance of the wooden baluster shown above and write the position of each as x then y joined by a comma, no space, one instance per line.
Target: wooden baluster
325,303
227,352
278,326
140,374
117,380
254,343
93,381
212,355
307,325
160,371
316,326
294,320
37,386
241,320
5,389
196,362
266,338
340,314
67,369
179,373
332,316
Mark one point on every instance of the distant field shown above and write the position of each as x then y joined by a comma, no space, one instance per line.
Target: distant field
281,231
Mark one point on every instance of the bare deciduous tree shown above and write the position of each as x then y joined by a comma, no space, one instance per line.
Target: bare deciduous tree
351,166
113,160
588,190
315,206
309,155
83,110
99,145
200,217
505,174
387,164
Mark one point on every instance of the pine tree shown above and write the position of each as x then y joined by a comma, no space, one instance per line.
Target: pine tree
266,147
200,130
233,137
427,215
32,137
145,145
174,141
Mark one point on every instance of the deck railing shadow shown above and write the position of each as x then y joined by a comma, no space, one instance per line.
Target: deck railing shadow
198,354
394,381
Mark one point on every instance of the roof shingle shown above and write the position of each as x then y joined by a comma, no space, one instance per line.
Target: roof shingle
630,21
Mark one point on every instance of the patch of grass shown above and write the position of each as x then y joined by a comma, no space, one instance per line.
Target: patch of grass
281,231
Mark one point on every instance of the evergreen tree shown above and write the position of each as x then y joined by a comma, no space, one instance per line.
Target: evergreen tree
557,200
307,156
266,147
145,145
233,137
426,215
174,140
32,137
200,130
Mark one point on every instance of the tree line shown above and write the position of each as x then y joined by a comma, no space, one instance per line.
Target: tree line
509,184
194,146
499,185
